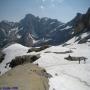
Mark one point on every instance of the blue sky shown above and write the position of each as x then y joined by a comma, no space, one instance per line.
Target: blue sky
63,10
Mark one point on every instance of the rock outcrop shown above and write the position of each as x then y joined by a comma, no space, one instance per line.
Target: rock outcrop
83,23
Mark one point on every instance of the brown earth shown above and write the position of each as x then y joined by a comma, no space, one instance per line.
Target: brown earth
25,77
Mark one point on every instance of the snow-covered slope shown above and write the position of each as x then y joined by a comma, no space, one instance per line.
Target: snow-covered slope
67,75
10,53
82,38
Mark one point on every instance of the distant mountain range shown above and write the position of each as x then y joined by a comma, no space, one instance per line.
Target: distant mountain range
35,31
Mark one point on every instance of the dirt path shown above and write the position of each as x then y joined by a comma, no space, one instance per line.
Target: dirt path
25,77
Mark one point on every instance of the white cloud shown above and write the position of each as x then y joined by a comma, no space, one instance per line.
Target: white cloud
42,7
43,0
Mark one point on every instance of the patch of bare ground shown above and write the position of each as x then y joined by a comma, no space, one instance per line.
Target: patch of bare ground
26,77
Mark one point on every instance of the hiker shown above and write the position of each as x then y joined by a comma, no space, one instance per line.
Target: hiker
79,60
70,57
84,60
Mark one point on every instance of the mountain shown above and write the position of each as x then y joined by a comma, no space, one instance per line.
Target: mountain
27,31
74,40
38,28
83,23
82,27
35,31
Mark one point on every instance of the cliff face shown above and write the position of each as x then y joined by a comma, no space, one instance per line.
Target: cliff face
83,23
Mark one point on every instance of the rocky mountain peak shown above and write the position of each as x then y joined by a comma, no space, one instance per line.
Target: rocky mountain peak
88,11
83,22
78,15
29,17
74,21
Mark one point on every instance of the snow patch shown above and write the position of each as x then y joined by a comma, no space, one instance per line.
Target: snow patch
18,36
10,53
67,27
